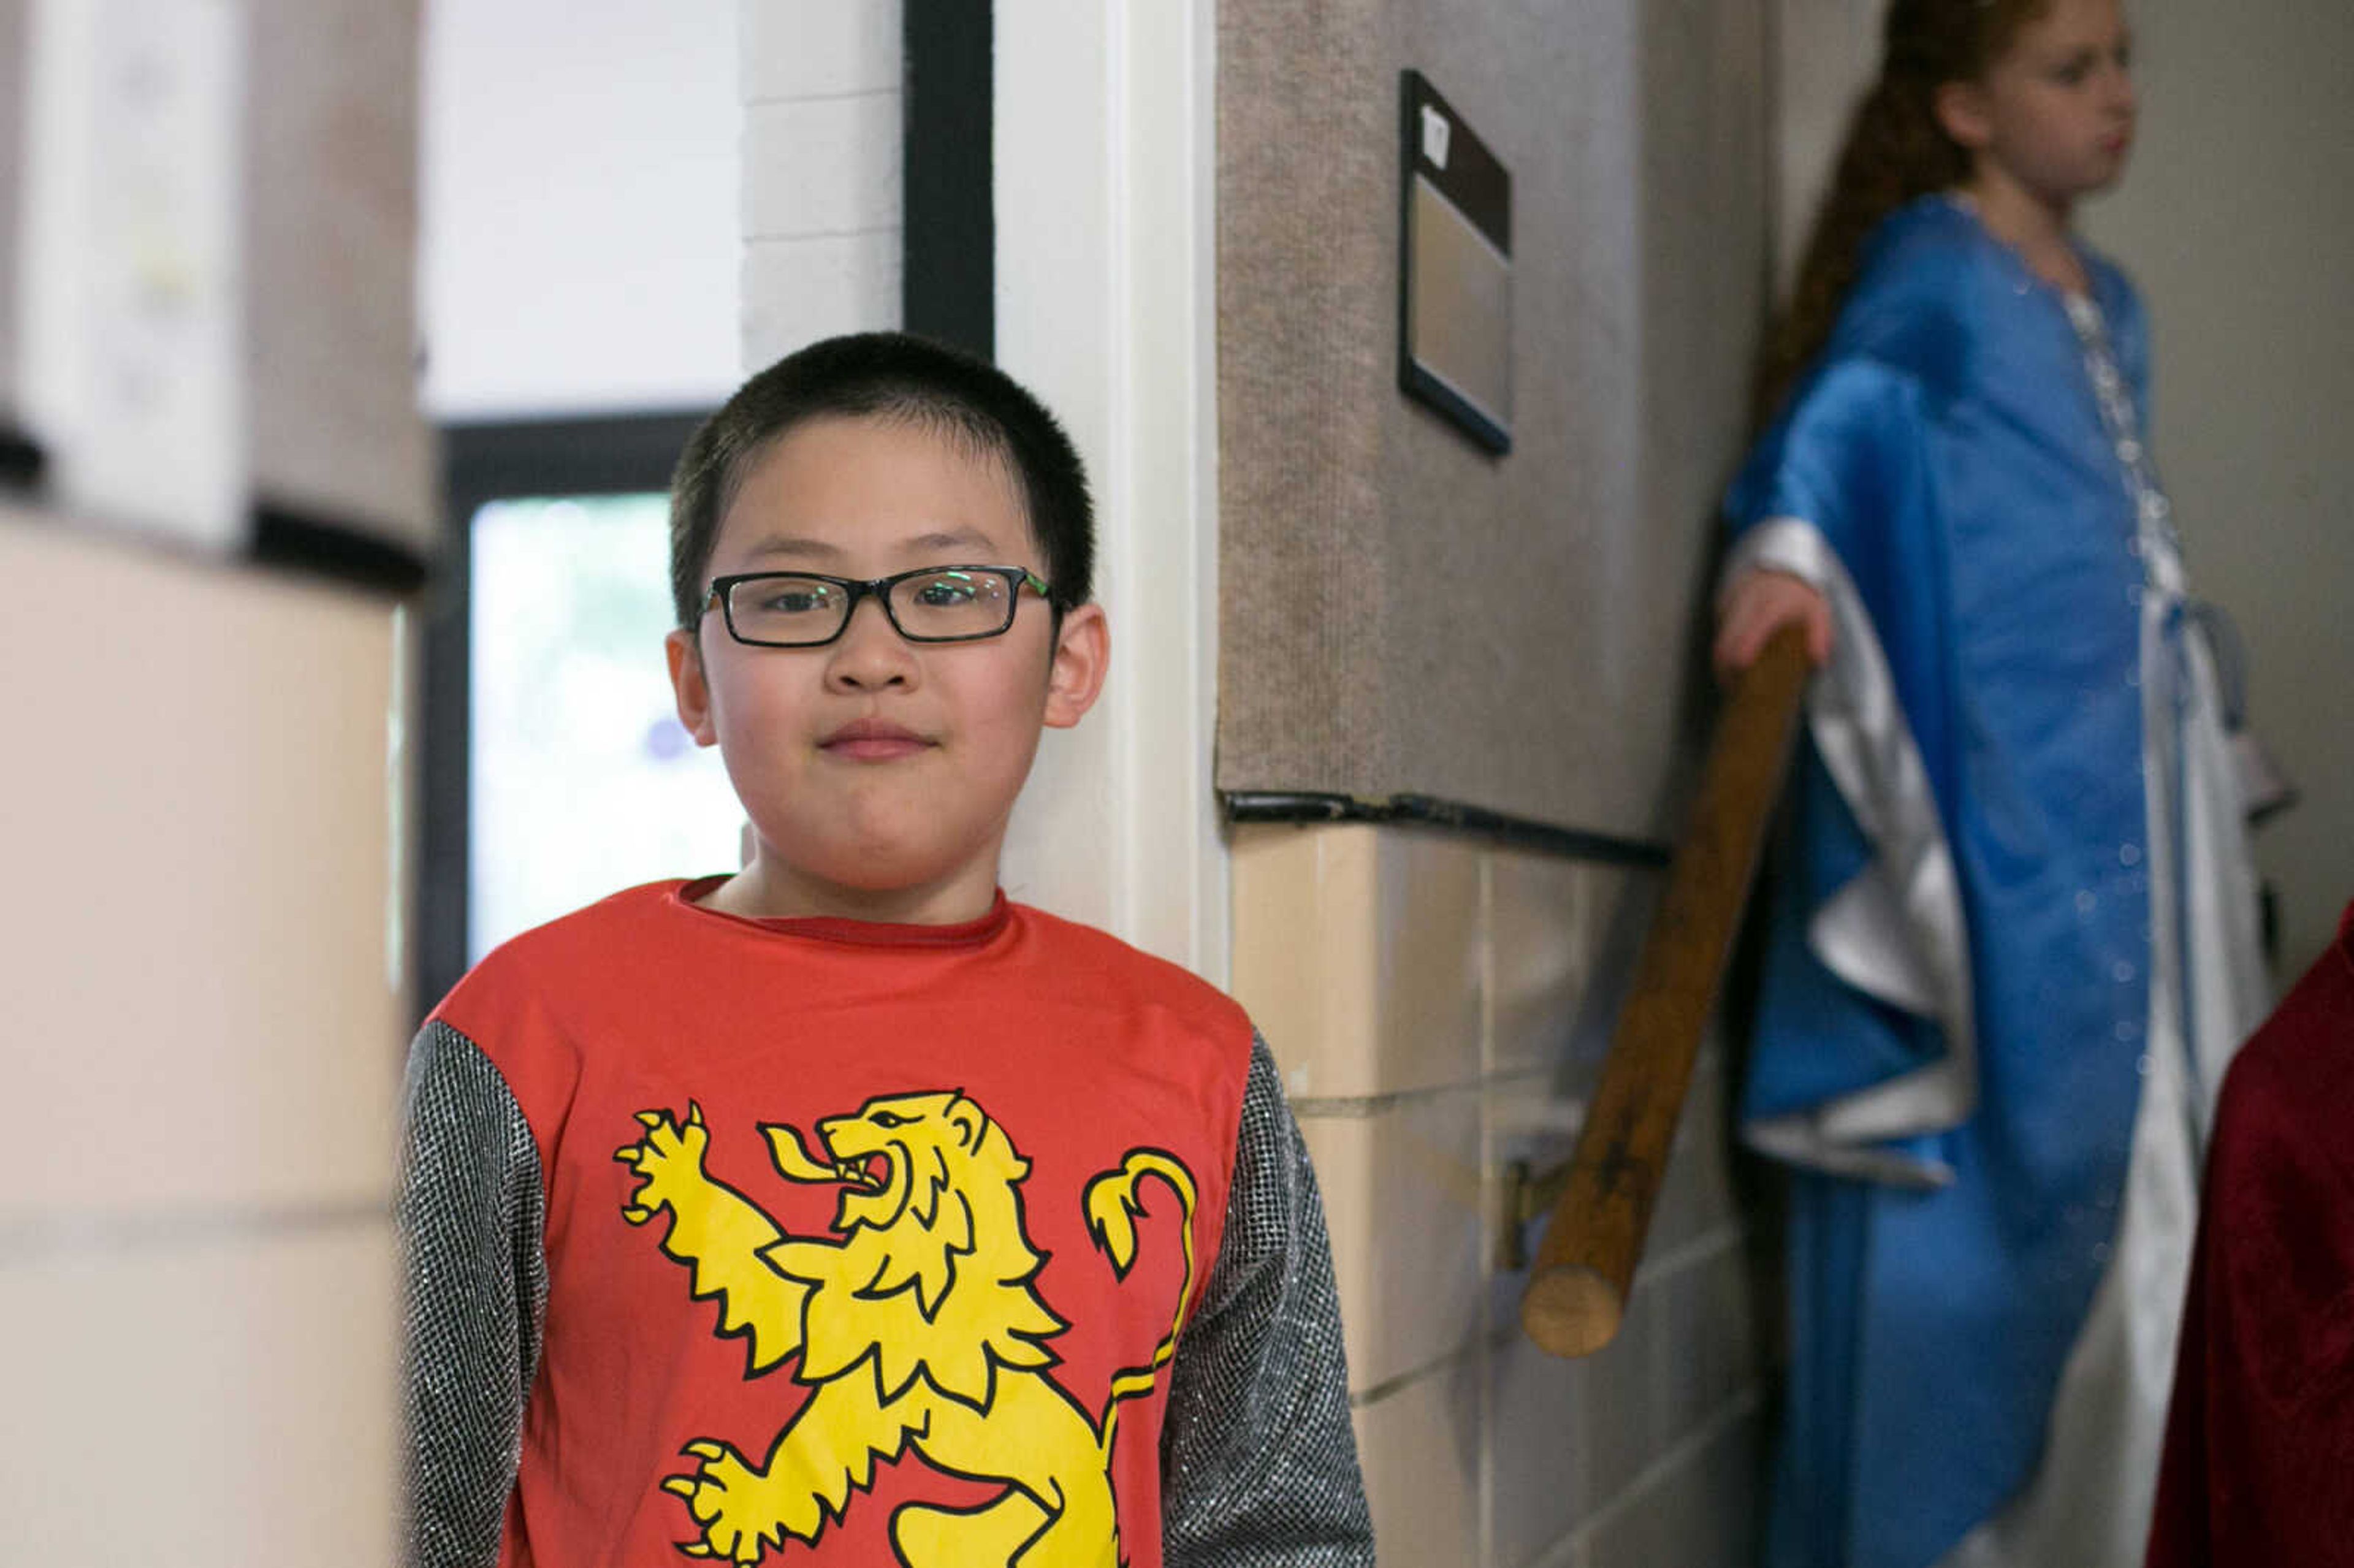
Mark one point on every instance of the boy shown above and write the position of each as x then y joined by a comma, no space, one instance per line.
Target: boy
940,1230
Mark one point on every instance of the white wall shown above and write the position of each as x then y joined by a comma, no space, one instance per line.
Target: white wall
579,207
2238,222
820,195
1824,52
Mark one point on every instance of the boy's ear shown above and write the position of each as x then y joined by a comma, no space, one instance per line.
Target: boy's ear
1961,110
688,685
1082,654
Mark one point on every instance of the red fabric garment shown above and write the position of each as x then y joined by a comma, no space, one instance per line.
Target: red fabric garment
2259,1464
873,1234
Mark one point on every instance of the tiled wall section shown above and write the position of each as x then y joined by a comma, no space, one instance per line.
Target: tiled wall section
202,1048
1440,1008
821,198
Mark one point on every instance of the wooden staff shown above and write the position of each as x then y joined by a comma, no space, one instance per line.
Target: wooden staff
1576,1292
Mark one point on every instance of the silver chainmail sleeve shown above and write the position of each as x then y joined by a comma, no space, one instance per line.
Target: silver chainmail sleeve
1259,1459
472,1215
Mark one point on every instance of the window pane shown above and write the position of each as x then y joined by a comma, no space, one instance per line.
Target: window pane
582,780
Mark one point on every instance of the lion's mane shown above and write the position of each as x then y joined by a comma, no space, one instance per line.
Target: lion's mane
939,1284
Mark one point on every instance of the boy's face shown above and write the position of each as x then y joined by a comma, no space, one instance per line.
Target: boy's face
879,773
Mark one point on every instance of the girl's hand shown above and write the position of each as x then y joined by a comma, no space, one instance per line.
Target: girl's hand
1760,602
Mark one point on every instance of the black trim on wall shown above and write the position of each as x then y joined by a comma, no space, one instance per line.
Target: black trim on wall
279,535
947,279
21,458
293,539
1445,816
614,455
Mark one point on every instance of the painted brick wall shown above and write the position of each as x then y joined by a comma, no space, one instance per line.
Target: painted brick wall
820,199
1443,1020
197,1254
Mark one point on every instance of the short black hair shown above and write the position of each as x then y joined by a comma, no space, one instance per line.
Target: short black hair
892,376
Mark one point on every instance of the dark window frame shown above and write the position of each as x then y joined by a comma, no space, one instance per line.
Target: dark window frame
948,234
621,454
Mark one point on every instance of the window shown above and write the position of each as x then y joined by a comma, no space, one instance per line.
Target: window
581,780
556,771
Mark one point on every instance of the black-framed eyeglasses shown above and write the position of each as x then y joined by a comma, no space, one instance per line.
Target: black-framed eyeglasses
930,604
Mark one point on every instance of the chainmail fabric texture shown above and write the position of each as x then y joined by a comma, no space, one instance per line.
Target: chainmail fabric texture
472,1217
1259,1459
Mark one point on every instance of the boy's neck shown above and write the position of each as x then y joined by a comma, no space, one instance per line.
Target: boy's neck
763,891
2035,227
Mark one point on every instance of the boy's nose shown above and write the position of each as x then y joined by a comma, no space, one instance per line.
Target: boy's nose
870,653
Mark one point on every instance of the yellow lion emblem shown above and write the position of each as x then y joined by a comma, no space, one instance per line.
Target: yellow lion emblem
919,1328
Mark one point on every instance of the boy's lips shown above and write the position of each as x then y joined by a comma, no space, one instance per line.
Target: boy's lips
872,741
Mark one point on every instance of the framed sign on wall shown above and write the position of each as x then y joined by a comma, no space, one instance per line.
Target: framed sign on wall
1454,269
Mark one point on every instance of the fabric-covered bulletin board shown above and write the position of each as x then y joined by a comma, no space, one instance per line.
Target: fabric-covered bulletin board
1401,612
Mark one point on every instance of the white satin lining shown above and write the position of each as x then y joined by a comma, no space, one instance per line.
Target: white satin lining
1895,931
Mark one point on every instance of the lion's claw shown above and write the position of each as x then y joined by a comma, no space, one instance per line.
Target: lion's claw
731,1501
668,1161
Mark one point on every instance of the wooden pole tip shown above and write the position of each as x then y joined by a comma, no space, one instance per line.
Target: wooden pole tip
1570,1309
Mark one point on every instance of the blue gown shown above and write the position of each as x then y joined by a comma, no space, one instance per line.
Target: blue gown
1955,1017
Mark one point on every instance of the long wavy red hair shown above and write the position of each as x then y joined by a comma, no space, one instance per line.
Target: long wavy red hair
1896,151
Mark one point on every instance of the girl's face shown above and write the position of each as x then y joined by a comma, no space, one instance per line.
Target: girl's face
2054,114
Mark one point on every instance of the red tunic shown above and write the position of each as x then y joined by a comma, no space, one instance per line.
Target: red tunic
2259,1466
854,1231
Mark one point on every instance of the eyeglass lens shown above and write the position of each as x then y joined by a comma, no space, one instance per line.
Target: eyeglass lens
945,604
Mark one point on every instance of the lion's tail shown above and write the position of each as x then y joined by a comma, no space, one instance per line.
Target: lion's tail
1112,1204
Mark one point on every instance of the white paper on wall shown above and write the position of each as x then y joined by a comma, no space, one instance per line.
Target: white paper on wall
329,223
12,171
130,309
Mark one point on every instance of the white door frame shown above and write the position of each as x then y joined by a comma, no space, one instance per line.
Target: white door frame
1105,140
